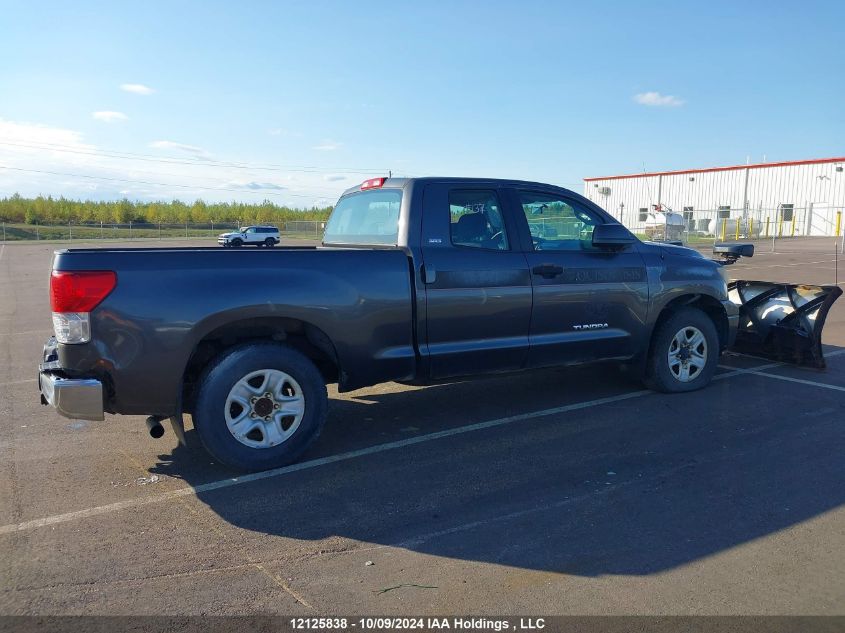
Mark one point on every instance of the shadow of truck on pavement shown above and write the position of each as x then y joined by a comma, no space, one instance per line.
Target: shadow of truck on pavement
632,487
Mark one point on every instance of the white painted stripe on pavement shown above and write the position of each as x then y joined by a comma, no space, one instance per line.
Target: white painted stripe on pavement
44,331
18,382
747,370
800,381
314,463
341,457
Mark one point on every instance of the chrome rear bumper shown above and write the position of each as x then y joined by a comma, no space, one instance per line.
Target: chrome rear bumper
78,398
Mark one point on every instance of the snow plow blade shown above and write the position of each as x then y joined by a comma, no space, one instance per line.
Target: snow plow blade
782,322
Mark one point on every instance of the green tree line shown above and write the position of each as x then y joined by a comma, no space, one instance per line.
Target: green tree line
61,210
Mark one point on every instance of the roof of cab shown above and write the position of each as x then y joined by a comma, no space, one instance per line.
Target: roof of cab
400,183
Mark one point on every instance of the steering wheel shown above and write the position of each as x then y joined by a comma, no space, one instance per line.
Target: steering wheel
538,242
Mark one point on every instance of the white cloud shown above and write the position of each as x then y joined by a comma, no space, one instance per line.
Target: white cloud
48,160
138,89
255,186
199,152
22,132
331,178
327,146
109,116
284,132
657,99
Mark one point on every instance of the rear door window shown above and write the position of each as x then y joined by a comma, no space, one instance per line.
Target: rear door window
475,219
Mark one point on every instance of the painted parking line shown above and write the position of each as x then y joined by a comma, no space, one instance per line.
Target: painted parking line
18,382
800,381
26,332
733,371
823,261
761,368
311,464
341,457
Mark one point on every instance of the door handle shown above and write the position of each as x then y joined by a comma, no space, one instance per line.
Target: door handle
547,271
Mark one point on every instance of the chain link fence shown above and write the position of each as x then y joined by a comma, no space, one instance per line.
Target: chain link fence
694,228
309,229
708,226
11,232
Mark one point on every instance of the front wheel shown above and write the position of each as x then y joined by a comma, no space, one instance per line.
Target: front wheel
260,406
684,352
237,243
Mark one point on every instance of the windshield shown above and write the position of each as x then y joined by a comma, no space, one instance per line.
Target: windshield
368,217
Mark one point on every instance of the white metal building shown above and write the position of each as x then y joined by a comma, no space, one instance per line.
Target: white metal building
804,197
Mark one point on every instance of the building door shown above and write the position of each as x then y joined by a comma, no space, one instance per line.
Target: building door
822,219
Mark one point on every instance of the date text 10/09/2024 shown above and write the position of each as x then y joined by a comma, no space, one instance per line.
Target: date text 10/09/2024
410,623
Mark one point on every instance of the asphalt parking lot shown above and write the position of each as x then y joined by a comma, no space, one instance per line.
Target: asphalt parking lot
558,492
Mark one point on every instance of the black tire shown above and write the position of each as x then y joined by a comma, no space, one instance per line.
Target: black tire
659,375
222,374
269,242
237,243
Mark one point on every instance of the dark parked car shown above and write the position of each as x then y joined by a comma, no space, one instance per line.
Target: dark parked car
418,280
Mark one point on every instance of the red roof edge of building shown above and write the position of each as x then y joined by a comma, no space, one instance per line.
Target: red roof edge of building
815,161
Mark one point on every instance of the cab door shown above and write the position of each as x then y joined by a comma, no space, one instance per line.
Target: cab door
477,285
588,303
251,235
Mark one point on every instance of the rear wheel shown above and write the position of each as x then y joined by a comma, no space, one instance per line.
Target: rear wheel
684,352
260,406
269,242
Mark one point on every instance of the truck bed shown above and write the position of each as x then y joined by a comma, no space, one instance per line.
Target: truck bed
359,302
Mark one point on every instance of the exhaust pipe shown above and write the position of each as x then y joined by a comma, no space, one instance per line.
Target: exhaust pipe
154,427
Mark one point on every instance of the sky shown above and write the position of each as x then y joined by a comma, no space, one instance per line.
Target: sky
296,101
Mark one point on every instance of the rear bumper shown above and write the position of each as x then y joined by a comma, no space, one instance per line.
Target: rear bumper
77,398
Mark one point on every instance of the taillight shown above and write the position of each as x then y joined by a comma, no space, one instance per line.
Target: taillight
372,183
80,291
73,294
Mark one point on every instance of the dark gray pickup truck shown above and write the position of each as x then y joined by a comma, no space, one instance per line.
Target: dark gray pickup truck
417,281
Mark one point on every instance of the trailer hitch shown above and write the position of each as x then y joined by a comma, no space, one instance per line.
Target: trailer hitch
782,322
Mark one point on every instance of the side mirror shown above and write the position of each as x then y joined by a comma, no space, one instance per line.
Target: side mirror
612,236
